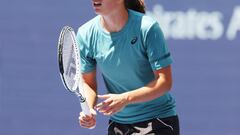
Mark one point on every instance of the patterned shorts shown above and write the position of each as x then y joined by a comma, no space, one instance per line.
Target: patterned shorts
163,126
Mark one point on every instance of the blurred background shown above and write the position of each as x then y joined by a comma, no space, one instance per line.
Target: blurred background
203,37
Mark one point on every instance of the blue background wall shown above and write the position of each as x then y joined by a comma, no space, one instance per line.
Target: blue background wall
33,101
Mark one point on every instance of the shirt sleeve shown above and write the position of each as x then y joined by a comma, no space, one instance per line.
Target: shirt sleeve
156,48
88,63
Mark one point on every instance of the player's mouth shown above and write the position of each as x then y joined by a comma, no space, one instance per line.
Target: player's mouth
97,4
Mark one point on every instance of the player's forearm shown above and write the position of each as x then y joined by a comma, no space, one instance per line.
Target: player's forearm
90,87
154,89
91,94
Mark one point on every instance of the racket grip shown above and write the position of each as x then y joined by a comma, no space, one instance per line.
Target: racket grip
86,111
85,108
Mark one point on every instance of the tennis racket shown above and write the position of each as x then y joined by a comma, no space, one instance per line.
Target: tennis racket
70,65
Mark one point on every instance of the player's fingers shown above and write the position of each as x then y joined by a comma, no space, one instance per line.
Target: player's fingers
82,114
104,96
108,101
87,124
81,120
109,113
105,109
93,112
112,110
88,121
84,117
103,104
109,108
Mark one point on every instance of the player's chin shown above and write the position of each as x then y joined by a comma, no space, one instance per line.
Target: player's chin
98,12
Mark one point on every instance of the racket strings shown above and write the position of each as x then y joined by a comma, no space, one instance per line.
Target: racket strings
69,67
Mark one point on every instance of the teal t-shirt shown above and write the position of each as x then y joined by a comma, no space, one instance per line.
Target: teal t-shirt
127,60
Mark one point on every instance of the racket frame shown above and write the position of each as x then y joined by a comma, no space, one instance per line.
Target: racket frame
78,75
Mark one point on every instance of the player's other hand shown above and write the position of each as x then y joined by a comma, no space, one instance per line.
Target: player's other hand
112,103
87,121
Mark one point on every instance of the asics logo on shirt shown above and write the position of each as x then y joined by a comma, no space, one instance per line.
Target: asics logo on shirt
134,40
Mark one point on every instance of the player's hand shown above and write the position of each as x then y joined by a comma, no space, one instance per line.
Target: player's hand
112,103
87,121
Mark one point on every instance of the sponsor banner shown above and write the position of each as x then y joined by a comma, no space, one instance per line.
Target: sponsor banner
192,24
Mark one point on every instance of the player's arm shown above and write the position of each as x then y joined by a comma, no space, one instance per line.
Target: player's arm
159,86
155,89
90,87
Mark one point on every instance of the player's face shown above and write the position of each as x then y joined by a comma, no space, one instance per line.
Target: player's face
105,7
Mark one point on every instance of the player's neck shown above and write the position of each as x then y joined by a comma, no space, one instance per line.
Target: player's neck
116,21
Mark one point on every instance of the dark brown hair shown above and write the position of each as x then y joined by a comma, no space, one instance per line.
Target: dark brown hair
136,5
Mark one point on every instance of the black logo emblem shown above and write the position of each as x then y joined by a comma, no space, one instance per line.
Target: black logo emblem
81,98
134,40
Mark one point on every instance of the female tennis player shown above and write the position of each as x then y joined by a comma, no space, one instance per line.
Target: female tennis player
130,50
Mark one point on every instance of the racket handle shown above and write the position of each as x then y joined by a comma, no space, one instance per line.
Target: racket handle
86,111
85,108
